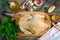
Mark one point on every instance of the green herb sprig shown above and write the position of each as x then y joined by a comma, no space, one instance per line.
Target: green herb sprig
8,29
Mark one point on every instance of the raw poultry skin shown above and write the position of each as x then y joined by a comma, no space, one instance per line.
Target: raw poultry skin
32,24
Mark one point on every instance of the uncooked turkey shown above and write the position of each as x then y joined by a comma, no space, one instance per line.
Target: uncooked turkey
32,24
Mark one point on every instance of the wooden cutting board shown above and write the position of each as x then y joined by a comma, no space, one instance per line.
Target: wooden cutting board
17,16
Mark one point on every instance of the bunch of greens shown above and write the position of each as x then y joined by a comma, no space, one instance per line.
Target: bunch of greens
8,29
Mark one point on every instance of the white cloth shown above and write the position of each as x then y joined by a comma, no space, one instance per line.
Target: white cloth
52,34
